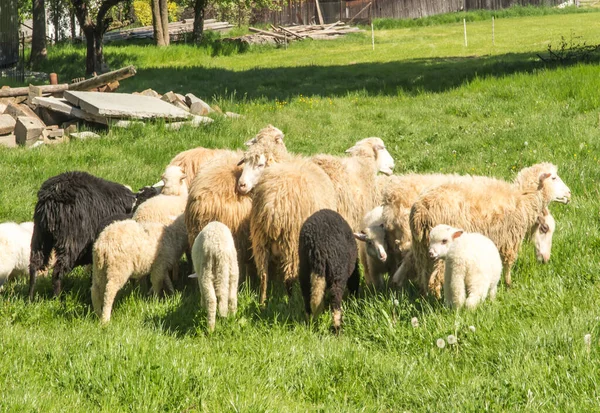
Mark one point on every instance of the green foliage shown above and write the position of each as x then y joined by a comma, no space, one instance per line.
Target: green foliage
440,107
142,10
478,15
25,8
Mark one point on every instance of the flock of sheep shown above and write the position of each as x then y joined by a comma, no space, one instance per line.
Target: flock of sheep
266,213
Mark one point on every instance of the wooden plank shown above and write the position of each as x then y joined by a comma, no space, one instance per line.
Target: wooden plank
319,12
24,91
252,29
291,32
103,79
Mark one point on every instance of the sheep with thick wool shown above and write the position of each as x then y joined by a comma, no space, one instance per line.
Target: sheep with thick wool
15,249
130,249
216,196
69,209
472,265
354,177
328,262
285,196
499,210
170,203
192,160
372,249
216,265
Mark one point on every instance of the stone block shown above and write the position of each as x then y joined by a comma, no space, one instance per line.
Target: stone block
8,140
28,130
7,124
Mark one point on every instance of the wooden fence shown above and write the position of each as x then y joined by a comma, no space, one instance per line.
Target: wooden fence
305,12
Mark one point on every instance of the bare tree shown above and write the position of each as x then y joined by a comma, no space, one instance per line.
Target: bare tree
38,35
160,22
199,6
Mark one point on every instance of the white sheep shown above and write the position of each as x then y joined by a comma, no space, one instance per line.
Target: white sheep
473,265
170,203
215,262
372,250
542,233
129,249
15,248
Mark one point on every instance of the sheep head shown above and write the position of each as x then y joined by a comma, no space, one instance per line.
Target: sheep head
374,238
440,239
374,148
270,132
257,157
542,233
174,181
553,187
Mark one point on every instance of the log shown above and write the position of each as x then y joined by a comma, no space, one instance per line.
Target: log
24,91
319,11
291,32
278,36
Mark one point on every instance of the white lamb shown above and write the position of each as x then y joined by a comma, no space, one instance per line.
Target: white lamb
15,248
215,262
372,249
473,265
170,203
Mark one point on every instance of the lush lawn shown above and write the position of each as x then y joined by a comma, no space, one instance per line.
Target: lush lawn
439,107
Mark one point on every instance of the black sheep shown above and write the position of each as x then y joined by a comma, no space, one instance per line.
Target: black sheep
328,260
70,208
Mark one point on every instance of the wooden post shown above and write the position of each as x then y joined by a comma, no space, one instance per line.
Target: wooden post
465,25
372,36
493,29
319,12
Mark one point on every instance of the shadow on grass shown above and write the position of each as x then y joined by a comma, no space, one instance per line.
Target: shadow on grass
281,83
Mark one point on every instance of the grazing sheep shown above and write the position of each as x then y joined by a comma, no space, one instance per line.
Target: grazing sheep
542,233
215,195
192,160
170,203
372,250
328,260
473,265
216,266
15,248
501,211
130,249
286,195
143,195
355,177
69,208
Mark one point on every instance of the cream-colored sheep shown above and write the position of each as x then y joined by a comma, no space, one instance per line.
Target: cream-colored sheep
501,211
372,250
285,196
473,265
216,266
129,249
170,203
15,248
355,177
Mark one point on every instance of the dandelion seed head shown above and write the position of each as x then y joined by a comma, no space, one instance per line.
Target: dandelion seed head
472,328
452,339
587,339
440,343
415,322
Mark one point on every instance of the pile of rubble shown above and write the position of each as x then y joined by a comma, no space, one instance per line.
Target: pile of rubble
52,113
286,34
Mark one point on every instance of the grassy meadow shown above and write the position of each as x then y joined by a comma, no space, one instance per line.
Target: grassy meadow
440,107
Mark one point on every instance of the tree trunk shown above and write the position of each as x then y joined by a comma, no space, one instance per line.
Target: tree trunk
157,23
90,57
164,18
56,18
199,6
72,18
38,36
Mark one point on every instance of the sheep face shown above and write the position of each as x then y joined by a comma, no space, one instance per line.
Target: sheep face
374,238
542,236
385,162
269,132
554,186
174,181
440,239
374,147
253,169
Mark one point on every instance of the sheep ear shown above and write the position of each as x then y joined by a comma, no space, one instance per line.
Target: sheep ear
361,236
543,227
183,177
545,175
279,140
381,225
194,275
250,142
457,233
378,147
240,163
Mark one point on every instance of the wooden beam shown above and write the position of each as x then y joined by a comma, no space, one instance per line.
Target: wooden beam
278,36
291,32
319,11
24,91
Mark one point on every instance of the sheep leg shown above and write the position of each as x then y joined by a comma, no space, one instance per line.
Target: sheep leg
62,267
458,290
436,279
168,286
98,290
209,298
493,291
337,292
317,294
113,285
39,258
222,290
261,259
354,280
473,300
290,272
234,276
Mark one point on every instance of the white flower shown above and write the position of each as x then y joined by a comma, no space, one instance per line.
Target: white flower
440,343
526,143
587,339
415,322
452,339
472,328
396,302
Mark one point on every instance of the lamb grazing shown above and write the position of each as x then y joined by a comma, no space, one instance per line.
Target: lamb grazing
215,196
170,203
216,266
328,260
286,195
372,250
69,209
15,248
192,160
473,265
355,177
542,233
129,249
501,211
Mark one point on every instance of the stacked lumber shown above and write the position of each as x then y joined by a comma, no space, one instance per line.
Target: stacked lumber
286,34
176,30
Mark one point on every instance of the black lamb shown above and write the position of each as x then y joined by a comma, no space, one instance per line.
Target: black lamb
70,209
328,260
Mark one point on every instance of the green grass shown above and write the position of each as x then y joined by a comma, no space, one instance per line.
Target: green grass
439,107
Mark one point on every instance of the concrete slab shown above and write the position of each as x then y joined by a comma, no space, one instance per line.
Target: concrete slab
7,124
124,105
64,107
